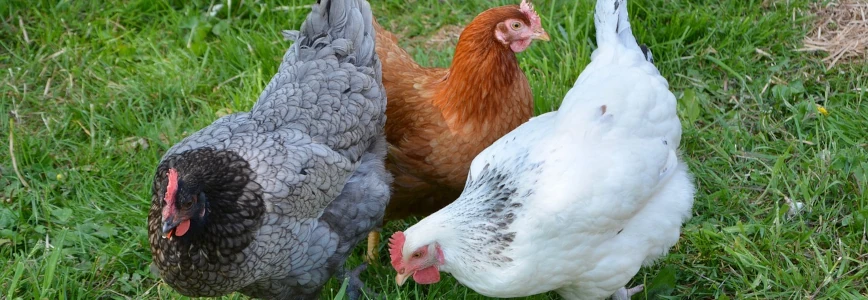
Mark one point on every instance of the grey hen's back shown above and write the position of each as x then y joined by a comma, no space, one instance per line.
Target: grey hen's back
328,87
252,185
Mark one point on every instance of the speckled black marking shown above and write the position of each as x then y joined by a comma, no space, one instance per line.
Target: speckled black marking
497,192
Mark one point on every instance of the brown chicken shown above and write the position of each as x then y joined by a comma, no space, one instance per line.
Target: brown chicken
439,119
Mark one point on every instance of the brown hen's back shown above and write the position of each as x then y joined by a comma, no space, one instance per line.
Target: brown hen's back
439,119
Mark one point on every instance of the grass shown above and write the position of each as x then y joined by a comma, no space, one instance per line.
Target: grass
94,92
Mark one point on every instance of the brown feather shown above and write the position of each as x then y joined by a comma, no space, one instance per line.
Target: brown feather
439,119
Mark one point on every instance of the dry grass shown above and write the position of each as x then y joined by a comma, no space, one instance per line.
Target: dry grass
841,31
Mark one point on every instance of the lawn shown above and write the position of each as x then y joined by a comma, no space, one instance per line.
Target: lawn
93,93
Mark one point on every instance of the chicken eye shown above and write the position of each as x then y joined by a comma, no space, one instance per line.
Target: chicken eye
516,25
188,205
417,255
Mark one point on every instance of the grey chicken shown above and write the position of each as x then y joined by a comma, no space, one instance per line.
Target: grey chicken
270,202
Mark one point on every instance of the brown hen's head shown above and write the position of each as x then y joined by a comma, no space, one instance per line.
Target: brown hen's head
205,196
485,82
513,26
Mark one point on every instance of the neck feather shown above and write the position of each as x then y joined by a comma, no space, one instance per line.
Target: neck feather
484,78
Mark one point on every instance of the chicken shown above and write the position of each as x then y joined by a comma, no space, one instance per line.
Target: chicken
270,202
439,119
573,201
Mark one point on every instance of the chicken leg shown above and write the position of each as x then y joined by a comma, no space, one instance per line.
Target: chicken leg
355,287
625,294
373,245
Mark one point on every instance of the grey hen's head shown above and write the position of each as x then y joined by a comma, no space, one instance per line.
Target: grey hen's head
203,199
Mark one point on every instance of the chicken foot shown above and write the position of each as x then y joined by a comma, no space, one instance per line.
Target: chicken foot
625,294
355,287
372,255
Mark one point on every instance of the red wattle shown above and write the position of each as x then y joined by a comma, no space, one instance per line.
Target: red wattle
182,228
427,275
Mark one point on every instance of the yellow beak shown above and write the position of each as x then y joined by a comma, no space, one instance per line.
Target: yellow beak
400,278
543,36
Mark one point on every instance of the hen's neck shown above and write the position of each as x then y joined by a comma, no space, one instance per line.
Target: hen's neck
478,227
484,77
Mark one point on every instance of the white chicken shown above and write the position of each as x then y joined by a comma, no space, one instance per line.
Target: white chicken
573,201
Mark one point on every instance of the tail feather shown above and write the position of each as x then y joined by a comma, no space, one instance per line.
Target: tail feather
343,25
613,27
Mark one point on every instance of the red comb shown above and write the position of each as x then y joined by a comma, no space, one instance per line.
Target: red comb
527,8
396,244
171,189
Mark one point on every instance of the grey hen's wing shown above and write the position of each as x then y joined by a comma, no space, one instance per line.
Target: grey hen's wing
346,221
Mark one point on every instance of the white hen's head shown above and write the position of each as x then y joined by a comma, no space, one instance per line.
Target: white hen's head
418,258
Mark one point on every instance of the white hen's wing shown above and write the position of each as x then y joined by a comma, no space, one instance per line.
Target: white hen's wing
600,185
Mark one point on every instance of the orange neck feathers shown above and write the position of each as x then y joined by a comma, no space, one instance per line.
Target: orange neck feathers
484,72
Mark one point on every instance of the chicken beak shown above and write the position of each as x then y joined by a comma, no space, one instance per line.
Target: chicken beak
401,278
541,35
170,224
